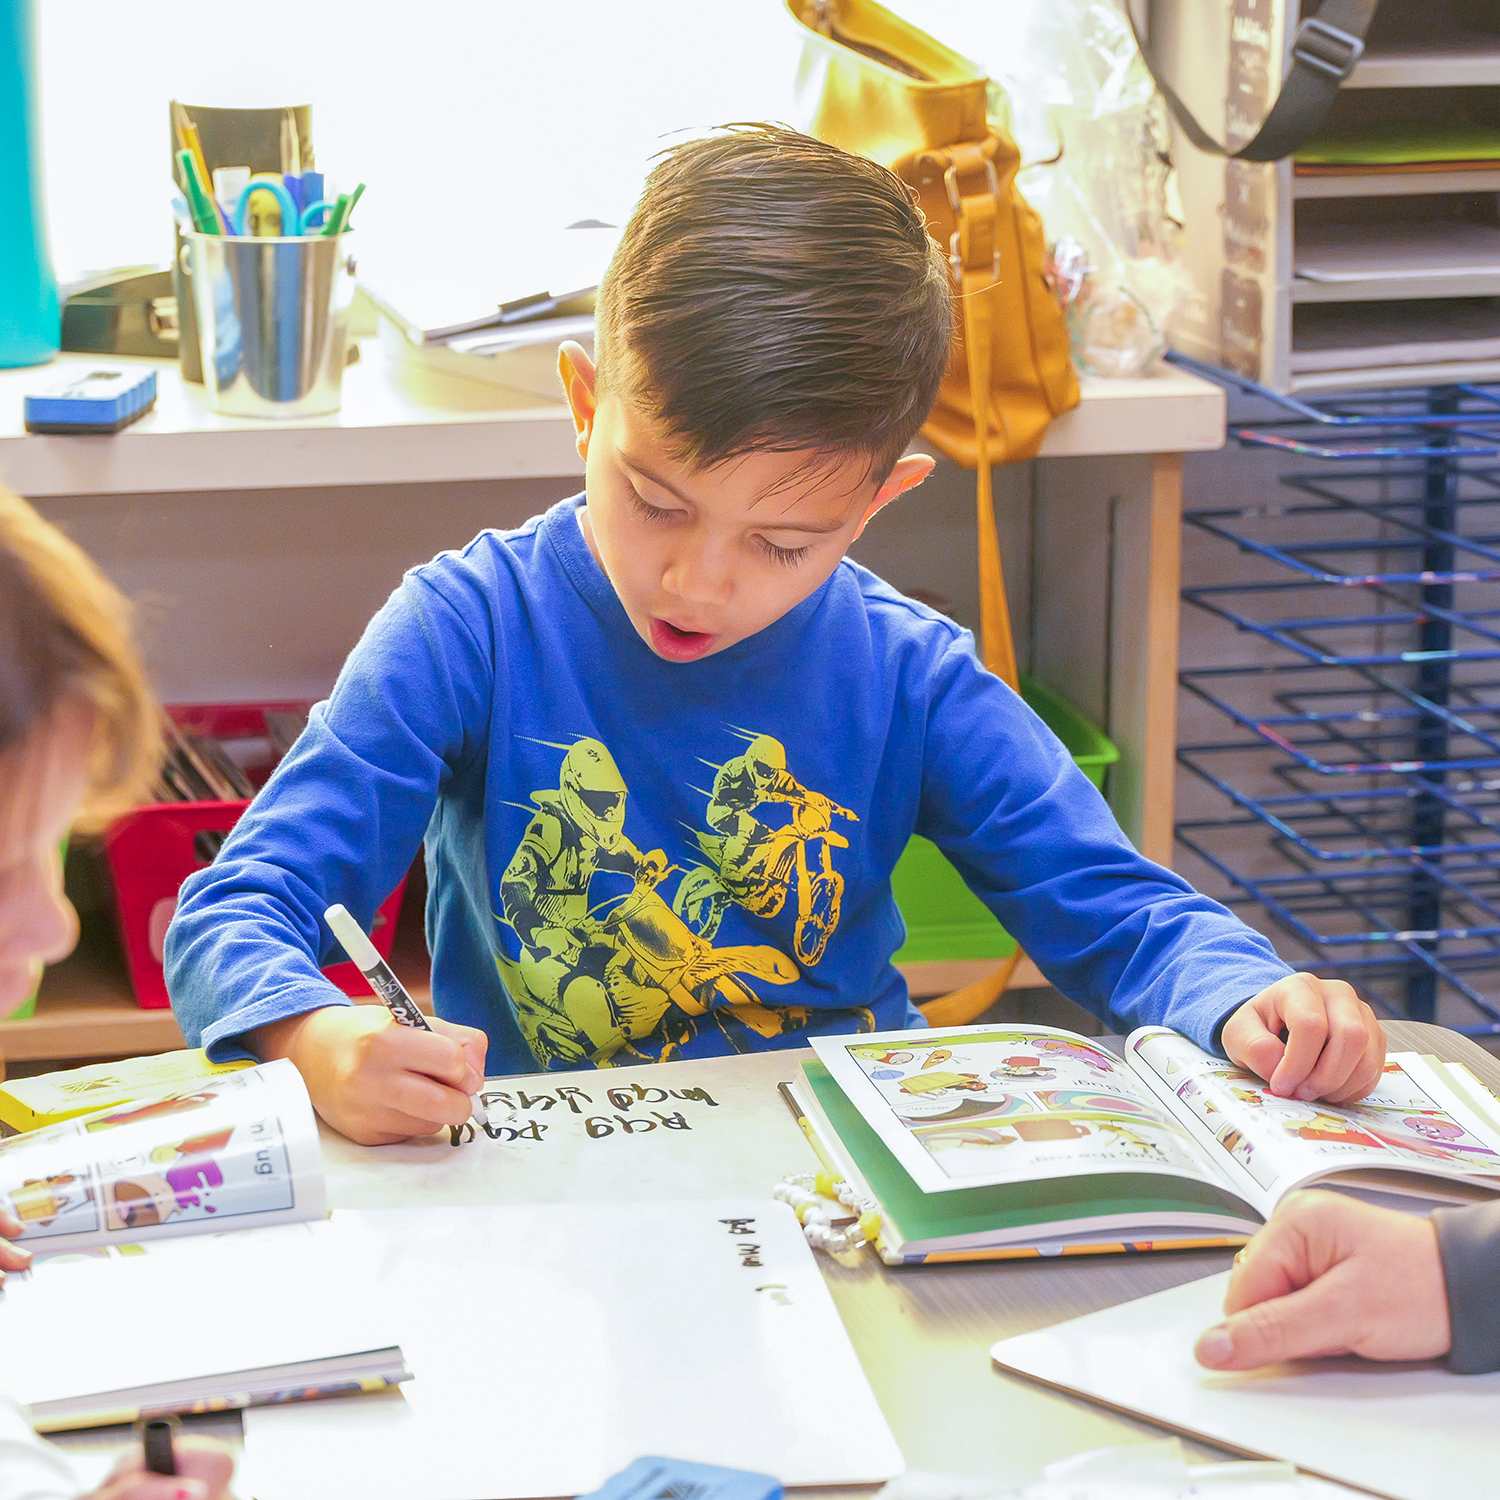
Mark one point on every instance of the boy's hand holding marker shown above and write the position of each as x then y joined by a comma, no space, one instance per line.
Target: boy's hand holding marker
377,1081
381,1076
1309,1038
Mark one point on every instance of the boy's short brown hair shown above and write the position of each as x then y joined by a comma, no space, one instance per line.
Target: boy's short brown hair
774,292
65,633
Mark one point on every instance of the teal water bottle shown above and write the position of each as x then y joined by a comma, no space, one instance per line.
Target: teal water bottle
30,326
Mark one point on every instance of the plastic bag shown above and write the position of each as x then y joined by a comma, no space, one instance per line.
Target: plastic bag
1067,78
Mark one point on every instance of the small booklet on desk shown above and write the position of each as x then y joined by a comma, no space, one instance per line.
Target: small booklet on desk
220,1322
990,1142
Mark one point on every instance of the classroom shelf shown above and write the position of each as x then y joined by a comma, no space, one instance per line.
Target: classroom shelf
1465,61
403,425
1394,287
1395,184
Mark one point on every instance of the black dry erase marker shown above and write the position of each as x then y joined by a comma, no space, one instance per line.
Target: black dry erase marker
385,984
156,1438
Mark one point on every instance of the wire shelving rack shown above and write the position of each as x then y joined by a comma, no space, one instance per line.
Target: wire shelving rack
1359,758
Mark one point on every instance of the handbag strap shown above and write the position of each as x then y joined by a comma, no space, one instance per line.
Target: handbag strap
1324,52
973,188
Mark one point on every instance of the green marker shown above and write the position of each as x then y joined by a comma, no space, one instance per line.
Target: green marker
200,205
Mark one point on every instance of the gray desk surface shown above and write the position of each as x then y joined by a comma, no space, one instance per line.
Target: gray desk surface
923,1333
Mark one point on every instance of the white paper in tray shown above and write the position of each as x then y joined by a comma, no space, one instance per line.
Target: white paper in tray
552,1345
1411,1431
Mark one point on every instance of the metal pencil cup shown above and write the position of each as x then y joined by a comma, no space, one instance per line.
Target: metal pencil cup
273,321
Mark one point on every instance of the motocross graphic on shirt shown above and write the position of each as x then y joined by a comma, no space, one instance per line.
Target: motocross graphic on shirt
609,978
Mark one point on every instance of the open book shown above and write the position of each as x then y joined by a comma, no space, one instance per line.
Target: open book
993,1141
226,1153
187,1326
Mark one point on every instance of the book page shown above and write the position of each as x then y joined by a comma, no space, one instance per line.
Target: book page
1411,1123
972,1106
233,1151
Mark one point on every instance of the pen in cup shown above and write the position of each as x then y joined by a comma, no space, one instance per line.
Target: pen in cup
383,981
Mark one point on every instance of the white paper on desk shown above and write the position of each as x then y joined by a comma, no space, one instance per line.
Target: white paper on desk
551,1345
1410,1431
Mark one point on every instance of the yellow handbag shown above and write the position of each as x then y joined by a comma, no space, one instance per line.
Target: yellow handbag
879,87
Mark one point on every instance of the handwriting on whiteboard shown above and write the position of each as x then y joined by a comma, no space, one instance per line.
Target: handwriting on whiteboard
634,1109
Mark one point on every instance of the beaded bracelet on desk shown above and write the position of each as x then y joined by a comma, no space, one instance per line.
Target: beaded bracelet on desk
824,1204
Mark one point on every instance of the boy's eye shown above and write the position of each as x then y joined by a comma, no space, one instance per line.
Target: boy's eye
649,511
788,557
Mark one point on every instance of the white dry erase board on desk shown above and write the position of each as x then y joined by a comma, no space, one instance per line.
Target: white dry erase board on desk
551,1345
1406,1431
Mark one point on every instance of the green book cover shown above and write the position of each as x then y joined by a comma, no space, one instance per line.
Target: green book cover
916,1215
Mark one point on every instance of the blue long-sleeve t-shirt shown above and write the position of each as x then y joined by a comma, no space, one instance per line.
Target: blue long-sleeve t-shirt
632,859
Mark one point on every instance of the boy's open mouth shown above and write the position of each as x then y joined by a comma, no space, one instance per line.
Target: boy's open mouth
678,645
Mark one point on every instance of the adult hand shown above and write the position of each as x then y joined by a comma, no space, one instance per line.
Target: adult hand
12,1257
1334,1048
1330,1275
373,1079
204,1470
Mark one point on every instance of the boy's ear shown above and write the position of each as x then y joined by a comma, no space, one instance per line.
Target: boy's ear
576,371
907,475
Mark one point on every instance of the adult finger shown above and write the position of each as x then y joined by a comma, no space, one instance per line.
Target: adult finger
1309,1322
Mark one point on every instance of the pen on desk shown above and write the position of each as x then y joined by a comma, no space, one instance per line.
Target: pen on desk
156,1440
385,984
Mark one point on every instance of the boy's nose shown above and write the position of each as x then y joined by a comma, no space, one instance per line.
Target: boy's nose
700,575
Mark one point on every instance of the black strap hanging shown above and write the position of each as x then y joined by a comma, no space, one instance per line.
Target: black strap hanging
1324,52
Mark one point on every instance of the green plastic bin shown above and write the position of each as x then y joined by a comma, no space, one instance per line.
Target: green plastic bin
945,920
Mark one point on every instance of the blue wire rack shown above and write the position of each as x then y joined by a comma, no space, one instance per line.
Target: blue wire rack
1360,756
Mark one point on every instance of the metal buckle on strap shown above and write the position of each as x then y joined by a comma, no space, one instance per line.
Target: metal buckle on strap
955,200
1327,48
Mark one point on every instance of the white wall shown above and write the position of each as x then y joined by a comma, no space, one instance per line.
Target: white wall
471,120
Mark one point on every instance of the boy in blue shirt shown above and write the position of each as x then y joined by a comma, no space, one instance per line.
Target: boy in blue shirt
666,742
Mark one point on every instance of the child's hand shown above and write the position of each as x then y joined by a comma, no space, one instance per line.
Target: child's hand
204,1470
1329,1275
12,1257
374,1080
1334,1047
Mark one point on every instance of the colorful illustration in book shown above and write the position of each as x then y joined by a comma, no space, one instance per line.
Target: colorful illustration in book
940,1055
157,1109
609,971
1116,1104
1024,1066
887,1056
63,1204
1091,1057
220,1173
931,1083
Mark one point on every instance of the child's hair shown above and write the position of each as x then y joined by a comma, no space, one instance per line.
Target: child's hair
774,292
65,633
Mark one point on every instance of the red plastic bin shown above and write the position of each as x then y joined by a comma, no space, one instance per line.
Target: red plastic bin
153,849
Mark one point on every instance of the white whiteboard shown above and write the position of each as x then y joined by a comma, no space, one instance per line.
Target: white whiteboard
554,1344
